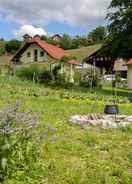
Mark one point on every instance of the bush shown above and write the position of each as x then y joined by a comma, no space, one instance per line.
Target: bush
27,73
91,81
34,73
60,79
77,76
44,76
18,153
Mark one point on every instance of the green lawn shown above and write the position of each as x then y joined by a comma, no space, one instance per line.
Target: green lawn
84,52
76,156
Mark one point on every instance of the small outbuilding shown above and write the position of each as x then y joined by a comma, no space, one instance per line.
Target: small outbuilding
57,37
120,67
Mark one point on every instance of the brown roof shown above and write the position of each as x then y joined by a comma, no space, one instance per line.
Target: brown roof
74,62
102,58
54,51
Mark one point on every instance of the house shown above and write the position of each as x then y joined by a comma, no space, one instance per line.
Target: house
102,59
129,74
120,67
36,50
56,37
106,62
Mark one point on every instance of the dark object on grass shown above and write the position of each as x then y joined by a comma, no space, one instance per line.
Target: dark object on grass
111,109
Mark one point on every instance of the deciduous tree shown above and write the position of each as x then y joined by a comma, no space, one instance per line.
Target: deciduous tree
120,28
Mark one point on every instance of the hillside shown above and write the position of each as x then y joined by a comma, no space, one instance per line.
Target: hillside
84,52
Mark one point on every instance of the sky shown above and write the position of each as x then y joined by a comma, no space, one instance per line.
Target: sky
47,17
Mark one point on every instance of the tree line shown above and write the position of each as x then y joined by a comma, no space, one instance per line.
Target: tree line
9,47
67,42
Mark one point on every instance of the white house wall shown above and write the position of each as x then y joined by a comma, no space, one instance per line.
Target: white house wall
130,76
25,59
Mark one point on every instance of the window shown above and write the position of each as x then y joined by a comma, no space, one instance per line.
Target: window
28,54
35,55
41,53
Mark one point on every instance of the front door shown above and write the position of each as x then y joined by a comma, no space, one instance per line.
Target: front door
35,55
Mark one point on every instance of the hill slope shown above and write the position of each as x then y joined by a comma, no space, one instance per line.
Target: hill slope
81,53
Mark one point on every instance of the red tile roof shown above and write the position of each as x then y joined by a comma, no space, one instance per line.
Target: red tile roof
54,51
74,62
130,62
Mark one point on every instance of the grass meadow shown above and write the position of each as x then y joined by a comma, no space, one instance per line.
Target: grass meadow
84,52
74,155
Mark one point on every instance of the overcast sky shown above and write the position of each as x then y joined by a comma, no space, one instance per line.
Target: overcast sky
50,16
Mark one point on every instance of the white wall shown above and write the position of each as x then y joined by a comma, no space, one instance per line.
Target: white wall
129,76
25,59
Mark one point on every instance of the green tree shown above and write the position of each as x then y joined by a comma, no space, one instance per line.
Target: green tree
98,34
66,42
49,40
12,46
2,47
120,28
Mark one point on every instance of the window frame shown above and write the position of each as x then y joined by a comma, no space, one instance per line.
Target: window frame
28,54
42,54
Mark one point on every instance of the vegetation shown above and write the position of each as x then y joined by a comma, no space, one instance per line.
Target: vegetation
37,143
98,35
120,18
9,47
84,52
17,152
2,47
12,46
67,42
34,73
69,154
91,80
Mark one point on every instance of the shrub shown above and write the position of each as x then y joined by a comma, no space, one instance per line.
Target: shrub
90,80
34,73
60,79
44,76
56,71
27,73
17,150
77,77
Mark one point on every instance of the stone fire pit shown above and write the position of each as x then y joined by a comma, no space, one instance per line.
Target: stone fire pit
101,120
